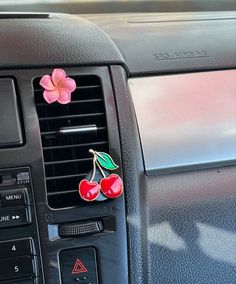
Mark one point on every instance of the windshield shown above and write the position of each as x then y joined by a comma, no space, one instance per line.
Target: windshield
115,6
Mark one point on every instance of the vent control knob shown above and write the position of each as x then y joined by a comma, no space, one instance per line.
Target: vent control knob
80,229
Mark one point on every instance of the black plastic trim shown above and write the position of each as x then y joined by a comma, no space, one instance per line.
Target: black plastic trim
111,245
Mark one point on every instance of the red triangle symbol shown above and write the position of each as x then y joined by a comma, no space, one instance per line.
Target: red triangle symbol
79,267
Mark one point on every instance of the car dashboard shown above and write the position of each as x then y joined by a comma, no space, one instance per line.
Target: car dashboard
158,93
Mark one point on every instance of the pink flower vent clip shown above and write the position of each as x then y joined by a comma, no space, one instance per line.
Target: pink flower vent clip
57,87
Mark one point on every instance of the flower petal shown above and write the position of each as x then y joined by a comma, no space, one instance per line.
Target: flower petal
51,96
57,76
46,83
64,97
68,85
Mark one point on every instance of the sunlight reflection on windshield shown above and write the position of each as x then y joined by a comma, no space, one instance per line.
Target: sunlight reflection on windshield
71,1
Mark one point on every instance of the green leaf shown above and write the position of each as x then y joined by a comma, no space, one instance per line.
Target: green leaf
106,161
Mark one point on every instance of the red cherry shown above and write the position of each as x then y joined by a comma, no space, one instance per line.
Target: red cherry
112,186
88,190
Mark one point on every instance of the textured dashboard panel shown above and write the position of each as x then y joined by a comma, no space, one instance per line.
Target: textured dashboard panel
191,229
58,40
181,226
170,42
134,178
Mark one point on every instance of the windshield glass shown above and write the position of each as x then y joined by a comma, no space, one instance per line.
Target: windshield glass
115,6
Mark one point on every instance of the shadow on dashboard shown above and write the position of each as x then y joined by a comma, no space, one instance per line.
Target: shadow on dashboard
193,244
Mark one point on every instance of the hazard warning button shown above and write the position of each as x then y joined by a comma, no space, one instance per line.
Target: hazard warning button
79,266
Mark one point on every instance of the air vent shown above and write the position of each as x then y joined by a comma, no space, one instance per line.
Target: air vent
66,157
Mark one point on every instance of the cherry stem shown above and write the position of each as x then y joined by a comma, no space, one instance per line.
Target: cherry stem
100,169
95,162
94,169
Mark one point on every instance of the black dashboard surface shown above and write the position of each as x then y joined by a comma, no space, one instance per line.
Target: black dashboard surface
143,43
164,43
53,40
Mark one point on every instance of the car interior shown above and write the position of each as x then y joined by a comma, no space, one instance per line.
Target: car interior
118,142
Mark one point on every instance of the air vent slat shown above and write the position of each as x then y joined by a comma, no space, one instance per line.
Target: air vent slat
53,133
70,116
66,156
78,88
88,87
65,177
61,192
75,146
75,102
67,161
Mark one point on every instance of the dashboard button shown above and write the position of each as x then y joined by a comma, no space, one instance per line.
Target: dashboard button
14,197
79,266
12,217
15,248
16,268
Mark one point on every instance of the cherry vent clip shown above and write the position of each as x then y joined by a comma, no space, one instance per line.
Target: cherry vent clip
110,186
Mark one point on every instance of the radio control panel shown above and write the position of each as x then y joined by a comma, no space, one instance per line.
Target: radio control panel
19,246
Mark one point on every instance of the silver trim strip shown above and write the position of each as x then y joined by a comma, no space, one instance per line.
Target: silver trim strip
78,129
